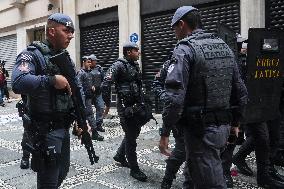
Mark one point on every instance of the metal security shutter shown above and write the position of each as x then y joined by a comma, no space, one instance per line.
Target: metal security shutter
228,14
159,39
275,14
8,52
101,40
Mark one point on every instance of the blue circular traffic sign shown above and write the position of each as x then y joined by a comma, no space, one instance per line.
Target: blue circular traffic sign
134,37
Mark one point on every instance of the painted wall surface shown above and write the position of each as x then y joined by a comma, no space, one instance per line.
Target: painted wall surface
31,10
129,21
94,5
252,15
34,13
128,14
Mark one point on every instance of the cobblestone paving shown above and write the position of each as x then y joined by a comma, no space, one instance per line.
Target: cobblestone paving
103,175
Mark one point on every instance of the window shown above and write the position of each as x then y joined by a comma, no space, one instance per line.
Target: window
270,45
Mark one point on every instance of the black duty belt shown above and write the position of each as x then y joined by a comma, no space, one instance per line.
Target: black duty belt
51,123
45,127
210,117
217,118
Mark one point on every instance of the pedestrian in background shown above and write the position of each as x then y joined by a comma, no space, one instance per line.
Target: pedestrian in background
85,78
98,75
2,84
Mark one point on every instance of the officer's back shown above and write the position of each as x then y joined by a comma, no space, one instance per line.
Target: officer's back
202,83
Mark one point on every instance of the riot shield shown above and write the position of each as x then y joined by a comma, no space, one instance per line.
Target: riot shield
264,77
229,36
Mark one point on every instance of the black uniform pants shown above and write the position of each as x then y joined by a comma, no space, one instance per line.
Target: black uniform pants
188,183
25,139
227,158
203,156
6,91
274,136
90,113
51,177
128,145
258,139
267,134
176,159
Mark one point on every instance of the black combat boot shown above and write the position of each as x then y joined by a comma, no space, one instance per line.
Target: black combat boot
100,128
275,175
121,159
242,166
268,182
166,183
96,136
25,164
241,139
229,180
138,174
278,160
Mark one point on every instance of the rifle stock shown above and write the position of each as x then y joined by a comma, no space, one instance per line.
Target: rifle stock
66,67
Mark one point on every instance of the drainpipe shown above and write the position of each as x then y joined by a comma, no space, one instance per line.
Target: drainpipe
61,6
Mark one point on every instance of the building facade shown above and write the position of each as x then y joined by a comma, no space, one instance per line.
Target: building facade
102,26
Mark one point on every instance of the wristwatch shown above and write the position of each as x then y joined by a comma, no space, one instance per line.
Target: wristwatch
164,132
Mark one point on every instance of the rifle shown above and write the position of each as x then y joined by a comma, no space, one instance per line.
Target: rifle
63,61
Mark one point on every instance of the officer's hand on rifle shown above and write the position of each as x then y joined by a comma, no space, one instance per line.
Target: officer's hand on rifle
78,131
234,133
106,111
89,129
93,88
235,128
164,146
62,83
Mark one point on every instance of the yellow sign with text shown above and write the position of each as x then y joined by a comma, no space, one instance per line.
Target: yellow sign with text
267,68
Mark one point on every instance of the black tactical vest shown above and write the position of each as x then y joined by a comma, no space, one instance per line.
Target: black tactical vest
87,82
129,85
211,76
47,101
98,76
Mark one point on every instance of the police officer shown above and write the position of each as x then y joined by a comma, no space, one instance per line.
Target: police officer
261,137
126,75
85,78
49,101
202,83
5,87
227,154
177,157
98,75
22,110
2,84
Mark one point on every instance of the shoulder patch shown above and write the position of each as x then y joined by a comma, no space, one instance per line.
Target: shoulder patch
31,48
158,75
109,74
24,67
25,57
171,67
